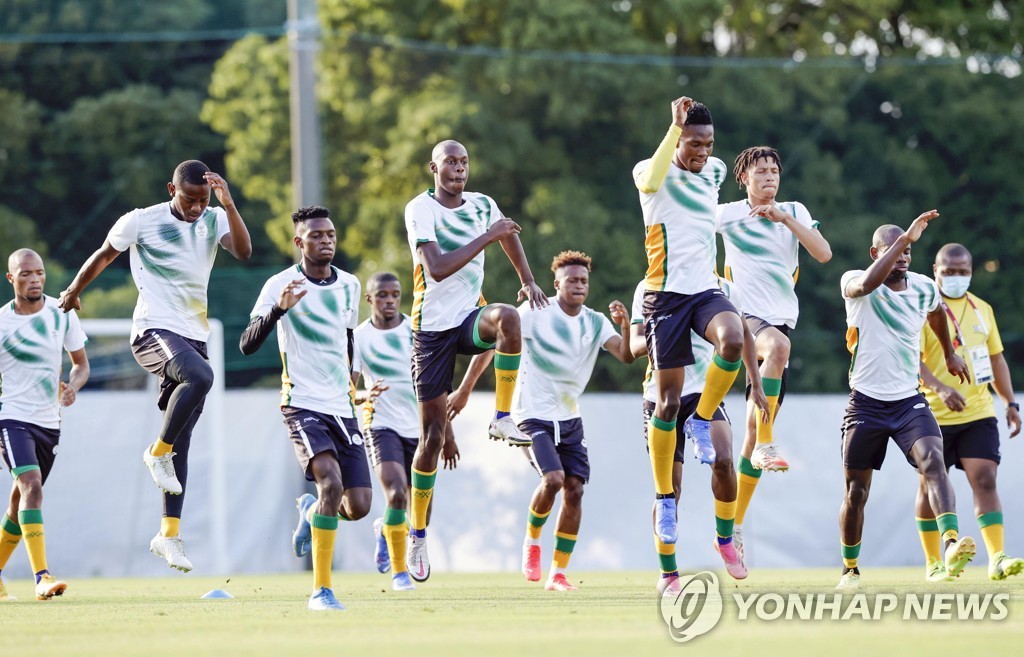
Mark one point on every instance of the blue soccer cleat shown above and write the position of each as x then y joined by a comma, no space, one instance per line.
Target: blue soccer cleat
699,431
402,582
380,553
302,538
324,600
665,519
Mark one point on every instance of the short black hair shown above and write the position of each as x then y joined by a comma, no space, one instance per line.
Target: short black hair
750,156
310,212
191,172
698,114
379,279
953,250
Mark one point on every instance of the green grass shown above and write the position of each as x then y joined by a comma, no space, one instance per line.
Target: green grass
460,614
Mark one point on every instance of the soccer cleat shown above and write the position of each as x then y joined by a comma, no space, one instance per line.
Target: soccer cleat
958,554
558,582
49,587
531,562
172,550
733,564
699,431
4,596
850,580
999,567
324,600
302,537
766,457
161,468
419,563
380,553
665,519
936,572
504,428
737,542
402,582
668,584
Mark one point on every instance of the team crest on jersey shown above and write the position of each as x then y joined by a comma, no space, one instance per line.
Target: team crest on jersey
201,230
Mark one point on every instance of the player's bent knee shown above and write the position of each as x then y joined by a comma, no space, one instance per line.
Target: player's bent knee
397,498
668,409
553,481
856,495
572,492
357,502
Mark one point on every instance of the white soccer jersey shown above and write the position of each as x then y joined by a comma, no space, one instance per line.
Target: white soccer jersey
30,361
694,375
313,339
387,355
171,261
762,258
438,306
559,353
884,335
680,222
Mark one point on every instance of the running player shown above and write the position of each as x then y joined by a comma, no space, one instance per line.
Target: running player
886,307
173,246
33,332
315,307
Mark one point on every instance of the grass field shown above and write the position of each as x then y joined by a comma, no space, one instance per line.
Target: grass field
614,613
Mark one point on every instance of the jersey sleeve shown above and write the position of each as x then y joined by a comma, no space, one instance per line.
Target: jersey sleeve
353,321
637,311
495,212
848,278
804,217
268,297
125,231
420,223
74,337
995,343
934,290
223,227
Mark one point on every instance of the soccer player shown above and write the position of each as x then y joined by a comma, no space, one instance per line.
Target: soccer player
723,478
886,308
561,343
964,410
173,246
315,307
391,423
678,194
33,331
762,239
449,228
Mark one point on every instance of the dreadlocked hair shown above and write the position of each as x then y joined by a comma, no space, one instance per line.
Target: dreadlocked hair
749,157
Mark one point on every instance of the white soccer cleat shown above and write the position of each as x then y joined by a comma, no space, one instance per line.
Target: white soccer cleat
324,600
172,550
958,554
4,596
161,468
737,542
49,586
850,581
419,563
504,428
936,572
766,457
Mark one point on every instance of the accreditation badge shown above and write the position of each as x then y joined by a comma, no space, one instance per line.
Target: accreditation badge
981,364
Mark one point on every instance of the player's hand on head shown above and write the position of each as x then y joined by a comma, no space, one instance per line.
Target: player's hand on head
619,314
1013,420
958,368
67,394
291,294
219,187
952,398
69,301
531,292
917,228
680,106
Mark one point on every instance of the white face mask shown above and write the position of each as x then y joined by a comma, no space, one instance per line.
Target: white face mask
954,287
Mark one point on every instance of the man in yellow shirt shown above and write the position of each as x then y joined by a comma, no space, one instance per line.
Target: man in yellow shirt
965,412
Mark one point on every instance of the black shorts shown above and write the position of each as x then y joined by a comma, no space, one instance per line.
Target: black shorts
557,446
971,440
386,445
26,446
869,423
154,348
757,326
669,318
687,407
313,433
434,352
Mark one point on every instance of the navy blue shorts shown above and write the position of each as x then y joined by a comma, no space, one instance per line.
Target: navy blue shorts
386,445
971,440
154,348
557,446
434,352
869,423
313,433
668,319
26,446
687,407
757,326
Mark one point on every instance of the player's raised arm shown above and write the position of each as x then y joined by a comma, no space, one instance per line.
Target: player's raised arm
237,242
649,179
619,346
513,248
886,255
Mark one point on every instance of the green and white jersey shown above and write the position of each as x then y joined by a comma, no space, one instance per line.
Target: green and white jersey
559,353
762,258
441,305
30,361
694,375
387,355
884,336
171,261
679,218
313,338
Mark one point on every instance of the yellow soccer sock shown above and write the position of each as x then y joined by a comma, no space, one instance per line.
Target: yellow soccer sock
661,443
534,523
721,374
10,536
31,521
725,515
160,448
506,369
169,526
928,529
992,531
772,390
666,556
325,529
396,535
850,555
746,483
564,544
422,491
